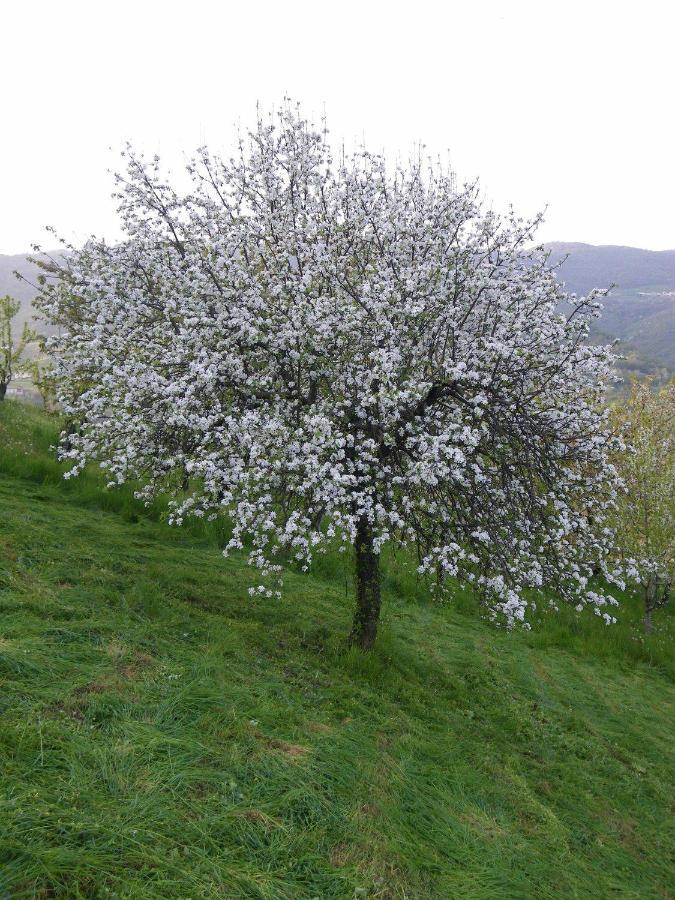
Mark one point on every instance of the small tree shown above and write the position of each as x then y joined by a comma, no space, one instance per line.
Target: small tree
11,351
645,515
336,352
42,375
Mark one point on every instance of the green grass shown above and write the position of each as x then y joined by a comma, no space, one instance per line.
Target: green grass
163,735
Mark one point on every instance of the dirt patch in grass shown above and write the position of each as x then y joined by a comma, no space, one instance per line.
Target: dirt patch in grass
482,824
99,686
295,751
7,550
320,727
140,663
258,817
372,810
341,855
116,649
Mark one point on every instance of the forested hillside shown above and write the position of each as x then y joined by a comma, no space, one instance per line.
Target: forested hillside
641,307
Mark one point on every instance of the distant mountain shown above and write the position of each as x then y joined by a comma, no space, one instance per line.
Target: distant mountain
640,310
590,266
23,291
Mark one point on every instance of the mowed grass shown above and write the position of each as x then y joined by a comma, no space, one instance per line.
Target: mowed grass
163,735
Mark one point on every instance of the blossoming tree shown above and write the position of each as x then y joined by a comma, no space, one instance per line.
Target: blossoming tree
335,352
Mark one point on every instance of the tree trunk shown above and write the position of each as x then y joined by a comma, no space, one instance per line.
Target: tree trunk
648,621
650,588
3,389
367,613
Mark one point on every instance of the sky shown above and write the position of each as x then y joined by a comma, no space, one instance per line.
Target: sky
564,106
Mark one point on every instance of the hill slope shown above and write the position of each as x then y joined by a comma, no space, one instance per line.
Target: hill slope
641,307
23,291
165,736
590,265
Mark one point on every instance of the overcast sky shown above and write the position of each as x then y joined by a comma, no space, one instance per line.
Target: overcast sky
565,105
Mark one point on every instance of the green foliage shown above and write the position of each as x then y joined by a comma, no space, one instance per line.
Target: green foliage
164,735
41,375
11,352
645,519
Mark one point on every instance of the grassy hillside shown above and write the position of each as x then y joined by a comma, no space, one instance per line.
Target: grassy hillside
165,736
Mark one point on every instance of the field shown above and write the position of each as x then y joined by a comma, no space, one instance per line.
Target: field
163,735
